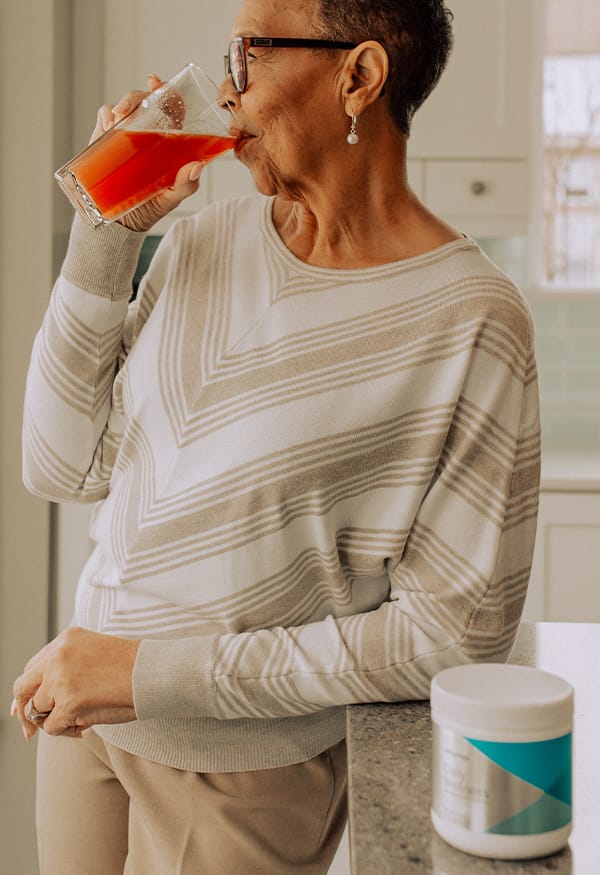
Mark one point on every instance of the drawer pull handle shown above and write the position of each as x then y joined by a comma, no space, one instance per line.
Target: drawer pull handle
478,187
576,192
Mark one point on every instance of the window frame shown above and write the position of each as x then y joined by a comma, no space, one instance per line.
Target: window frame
537,286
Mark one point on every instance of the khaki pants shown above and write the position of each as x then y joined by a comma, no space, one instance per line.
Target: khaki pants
102,811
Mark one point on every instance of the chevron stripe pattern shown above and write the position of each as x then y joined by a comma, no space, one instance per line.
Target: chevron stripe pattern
314,487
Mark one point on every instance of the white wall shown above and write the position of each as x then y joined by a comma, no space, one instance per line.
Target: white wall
33,38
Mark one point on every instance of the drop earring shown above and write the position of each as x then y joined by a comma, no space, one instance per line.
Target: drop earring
352,137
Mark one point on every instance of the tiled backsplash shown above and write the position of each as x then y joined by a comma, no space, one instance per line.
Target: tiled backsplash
568,351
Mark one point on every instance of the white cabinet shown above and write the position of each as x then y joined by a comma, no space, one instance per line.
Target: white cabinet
565,580
481,198
472,135
481,105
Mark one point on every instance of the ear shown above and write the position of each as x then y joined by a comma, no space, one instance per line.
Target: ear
365,73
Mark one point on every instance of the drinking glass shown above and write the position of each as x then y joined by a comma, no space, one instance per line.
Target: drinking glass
180,122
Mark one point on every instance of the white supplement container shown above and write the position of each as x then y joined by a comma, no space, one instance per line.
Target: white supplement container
502,760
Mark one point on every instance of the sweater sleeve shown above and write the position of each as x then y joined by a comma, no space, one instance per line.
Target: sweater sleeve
456,592
70,428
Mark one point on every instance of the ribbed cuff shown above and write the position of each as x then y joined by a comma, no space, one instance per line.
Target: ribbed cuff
174,678
102,261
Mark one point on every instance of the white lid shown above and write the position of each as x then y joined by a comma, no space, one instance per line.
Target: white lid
494,696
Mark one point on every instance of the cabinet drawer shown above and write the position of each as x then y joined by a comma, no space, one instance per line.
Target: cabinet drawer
495,189
564,577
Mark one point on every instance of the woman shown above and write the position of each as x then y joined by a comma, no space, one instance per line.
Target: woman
314,443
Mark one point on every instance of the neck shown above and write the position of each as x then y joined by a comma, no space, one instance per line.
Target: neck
361,213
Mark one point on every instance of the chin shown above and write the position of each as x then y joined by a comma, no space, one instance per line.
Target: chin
265,183
267,179
267,190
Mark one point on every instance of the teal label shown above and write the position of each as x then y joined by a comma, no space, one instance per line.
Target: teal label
504,788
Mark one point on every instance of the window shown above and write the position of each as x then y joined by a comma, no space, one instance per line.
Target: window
571,138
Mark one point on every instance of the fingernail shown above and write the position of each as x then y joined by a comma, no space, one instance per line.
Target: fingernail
196,171
13,708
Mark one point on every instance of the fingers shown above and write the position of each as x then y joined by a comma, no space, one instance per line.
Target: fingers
72,732
19,708
31,691
59,722
186,183
130,101
29,729
25,688
154,81
108,115
80,678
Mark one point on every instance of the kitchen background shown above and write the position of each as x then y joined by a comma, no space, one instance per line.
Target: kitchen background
507,149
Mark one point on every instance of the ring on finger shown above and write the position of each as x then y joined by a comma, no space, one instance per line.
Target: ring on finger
33,715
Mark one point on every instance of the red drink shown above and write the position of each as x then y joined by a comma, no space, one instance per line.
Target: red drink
124,168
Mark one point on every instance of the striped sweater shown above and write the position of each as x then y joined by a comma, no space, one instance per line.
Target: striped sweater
314,487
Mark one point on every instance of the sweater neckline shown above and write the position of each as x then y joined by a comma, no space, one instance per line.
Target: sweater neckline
378,271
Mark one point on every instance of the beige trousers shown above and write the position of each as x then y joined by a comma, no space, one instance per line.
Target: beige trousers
102,811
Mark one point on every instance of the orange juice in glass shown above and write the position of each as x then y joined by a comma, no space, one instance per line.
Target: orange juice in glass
180,122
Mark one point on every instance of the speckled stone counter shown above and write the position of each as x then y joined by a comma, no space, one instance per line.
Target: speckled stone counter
389,749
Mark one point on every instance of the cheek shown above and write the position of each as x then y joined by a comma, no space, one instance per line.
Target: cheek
277,103
279,129
271,109
286,130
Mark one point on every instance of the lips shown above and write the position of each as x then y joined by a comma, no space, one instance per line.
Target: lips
241,138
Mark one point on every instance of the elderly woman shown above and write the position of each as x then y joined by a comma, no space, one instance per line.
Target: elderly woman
313,440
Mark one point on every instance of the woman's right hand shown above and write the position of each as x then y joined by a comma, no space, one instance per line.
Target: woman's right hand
186,183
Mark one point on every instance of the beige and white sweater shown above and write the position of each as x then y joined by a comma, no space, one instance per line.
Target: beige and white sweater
315,487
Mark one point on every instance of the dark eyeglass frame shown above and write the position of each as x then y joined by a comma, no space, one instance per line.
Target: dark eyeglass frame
240,76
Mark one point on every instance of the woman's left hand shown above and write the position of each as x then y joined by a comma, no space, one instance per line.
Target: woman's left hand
81,678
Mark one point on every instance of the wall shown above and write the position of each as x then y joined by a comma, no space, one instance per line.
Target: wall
33,94
567,327
568,348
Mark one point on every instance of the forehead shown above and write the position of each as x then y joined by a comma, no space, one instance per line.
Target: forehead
275,18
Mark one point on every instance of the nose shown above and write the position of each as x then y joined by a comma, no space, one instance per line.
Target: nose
228,96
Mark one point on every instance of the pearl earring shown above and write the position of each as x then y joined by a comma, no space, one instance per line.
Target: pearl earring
352,137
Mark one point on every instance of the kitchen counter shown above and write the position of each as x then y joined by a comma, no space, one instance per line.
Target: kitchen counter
389,769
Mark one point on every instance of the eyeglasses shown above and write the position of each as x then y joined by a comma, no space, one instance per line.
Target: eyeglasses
235,60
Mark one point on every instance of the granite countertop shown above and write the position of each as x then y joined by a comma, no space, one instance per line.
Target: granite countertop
389,751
